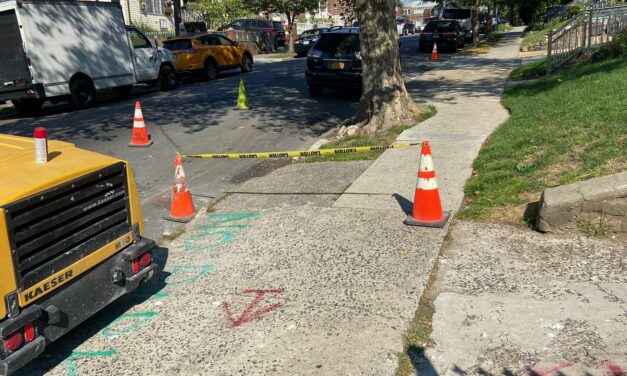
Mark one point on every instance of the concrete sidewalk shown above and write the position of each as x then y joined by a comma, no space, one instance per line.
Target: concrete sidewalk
306,271
514,302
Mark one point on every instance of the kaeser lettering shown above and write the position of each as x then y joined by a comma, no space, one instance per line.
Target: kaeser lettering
48,285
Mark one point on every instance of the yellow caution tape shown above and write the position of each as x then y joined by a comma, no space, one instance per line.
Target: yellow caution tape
301,153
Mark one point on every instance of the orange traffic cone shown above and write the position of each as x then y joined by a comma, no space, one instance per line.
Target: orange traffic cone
434,53
181,206
139,137
427,207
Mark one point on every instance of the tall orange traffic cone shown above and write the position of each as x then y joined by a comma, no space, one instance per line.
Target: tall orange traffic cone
434,53
139,137
181,206
427,207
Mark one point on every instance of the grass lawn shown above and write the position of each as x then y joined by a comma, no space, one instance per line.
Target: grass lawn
484,46
504,28
7,110
280,55
566,127
386,137
529,71
533,37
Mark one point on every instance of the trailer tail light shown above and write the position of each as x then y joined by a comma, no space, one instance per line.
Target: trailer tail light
29,332
14,341
145,260
141,262
423,35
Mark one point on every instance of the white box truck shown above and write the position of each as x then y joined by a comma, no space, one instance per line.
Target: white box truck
463,16
67,50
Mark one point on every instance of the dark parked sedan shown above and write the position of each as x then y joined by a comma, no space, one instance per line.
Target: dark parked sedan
447,34
335,62
306,40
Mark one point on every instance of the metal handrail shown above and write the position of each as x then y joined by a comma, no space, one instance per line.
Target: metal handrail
593,27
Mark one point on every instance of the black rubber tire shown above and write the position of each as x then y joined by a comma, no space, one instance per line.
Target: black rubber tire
421,48
316,90
454,47
28,106
123,91
82,93
247,63
210,71
167,79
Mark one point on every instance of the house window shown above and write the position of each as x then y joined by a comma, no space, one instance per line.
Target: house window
153,6
406,12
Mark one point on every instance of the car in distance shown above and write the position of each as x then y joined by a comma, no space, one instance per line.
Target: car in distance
334,62
447,34
263,27
307,39
208,54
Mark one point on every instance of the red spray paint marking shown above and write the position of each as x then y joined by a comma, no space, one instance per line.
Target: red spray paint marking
615,370
549,371
248,315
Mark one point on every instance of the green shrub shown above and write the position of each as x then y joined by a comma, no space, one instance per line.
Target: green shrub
616,48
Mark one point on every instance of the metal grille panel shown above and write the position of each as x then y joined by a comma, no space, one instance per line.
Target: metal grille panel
54,229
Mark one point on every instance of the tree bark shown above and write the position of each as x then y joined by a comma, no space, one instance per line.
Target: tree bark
384,100
290,25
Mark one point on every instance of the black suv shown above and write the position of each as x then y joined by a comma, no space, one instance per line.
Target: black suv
334,61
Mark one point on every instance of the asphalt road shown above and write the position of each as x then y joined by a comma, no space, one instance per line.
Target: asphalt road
200,117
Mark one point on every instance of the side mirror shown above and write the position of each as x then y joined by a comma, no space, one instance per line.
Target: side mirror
235,43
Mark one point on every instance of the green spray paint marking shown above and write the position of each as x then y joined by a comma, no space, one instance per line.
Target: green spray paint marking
218,221
227,237
158,296
203,271
70,362
229,217
144,318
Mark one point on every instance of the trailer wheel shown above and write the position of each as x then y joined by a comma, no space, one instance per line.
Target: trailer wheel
28,106
167,78
83,92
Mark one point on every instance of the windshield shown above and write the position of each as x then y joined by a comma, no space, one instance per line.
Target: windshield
179,44
439,27
338,42
456,14
309,33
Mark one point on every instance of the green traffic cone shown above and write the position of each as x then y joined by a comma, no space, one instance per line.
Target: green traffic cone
242,99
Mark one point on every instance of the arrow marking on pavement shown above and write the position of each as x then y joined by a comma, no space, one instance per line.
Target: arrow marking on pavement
249,315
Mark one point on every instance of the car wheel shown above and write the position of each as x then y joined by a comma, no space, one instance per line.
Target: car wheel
122,91
28,106
247,63
211,72
421,48
454,47
316,90
167,78
82,92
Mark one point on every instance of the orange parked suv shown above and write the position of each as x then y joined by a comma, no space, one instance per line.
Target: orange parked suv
208,54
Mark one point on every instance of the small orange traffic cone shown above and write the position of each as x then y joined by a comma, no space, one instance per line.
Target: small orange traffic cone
427,207
181,206
139,137
434,53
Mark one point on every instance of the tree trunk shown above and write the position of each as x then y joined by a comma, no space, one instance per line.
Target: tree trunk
384,100
292,37
475,23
